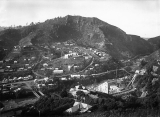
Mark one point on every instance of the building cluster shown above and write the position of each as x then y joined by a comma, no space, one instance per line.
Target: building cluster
69,63
59,45
68,43
101,55
23,64
16,49
45,83
13,88
16,79
71,54
140,72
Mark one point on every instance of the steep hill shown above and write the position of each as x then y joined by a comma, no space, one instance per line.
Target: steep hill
154,56
155,41
90,32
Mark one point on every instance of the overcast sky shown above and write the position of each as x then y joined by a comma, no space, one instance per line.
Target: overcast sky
139,17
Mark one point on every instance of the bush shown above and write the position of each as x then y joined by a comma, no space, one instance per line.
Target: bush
53,105
109,104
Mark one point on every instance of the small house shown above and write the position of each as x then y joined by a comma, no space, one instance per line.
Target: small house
58,71
75,75
45,65
15,62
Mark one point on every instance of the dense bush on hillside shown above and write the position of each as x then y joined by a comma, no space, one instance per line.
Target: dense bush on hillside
53,105
155,41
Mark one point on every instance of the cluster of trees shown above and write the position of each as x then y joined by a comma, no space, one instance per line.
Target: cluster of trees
152,100
106,102
52,105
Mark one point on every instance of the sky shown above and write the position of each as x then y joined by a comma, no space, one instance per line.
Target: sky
138,17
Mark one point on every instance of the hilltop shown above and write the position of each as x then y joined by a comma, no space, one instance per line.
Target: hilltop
2,28
85,31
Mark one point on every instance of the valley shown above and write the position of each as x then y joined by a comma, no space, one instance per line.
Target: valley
75,60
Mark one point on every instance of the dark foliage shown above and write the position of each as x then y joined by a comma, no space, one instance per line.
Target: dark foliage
53,105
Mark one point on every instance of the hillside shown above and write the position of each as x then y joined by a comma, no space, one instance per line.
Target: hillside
155,41
2,28
89,32
154,56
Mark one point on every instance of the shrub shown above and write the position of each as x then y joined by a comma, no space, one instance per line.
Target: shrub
53,105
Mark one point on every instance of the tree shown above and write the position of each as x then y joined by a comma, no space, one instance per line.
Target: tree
64,93
31,24
53,105
143,63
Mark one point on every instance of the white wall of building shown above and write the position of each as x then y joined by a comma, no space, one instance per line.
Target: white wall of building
102,87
